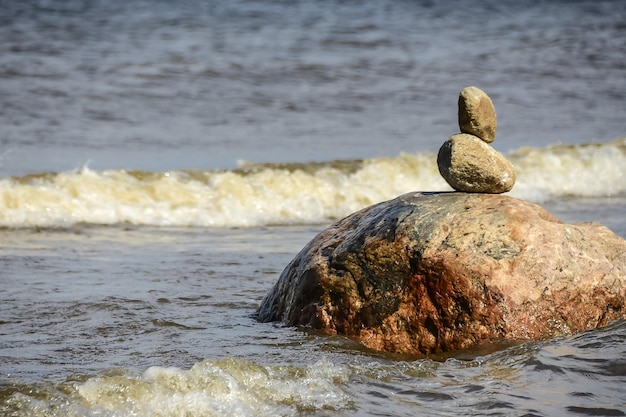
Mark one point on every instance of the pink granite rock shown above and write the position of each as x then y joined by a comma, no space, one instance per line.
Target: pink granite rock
435,272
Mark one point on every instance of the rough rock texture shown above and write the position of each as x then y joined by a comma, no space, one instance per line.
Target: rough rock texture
434,272
477,115
469,164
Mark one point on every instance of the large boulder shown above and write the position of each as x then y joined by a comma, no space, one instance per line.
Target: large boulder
434,272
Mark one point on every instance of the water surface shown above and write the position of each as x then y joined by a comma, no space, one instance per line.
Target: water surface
161,162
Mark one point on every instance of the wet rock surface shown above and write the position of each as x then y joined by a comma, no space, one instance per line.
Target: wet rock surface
435,272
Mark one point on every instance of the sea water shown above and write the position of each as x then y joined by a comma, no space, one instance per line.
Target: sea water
161,162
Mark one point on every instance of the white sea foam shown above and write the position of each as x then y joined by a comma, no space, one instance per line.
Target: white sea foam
228,387
257,195
592,170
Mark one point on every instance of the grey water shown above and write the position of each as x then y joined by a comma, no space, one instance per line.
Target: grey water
159,85
102,306
125,320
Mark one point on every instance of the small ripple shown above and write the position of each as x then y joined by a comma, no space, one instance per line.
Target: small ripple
595,411
491,405
378,394
581,394
427,395
541,366
612,368
473,388
200,300
168,323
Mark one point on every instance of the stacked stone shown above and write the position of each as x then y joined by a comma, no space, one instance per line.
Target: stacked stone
466,160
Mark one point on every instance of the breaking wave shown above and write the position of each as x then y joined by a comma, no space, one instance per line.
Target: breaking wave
228,387
292,193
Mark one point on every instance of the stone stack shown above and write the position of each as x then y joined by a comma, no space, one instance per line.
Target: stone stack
466,160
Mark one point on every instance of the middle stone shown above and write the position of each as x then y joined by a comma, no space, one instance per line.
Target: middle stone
469,164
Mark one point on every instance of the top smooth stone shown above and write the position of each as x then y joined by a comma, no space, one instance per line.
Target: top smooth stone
477,115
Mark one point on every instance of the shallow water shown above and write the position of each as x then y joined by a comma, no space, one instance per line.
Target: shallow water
156,321
161,162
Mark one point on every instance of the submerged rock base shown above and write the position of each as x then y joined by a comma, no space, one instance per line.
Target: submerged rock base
434,272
